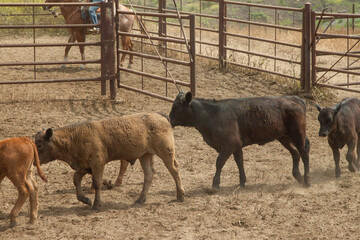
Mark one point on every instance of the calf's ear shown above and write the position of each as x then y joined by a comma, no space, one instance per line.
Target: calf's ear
48,134
188,97
318,107
337,109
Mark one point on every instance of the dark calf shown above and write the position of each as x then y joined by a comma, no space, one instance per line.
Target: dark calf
341,124
231,124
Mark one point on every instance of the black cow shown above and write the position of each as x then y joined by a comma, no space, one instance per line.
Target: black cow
229,125
341,124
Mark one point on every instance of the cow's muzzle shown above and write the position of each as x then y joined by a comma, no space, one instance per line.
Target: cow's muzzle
323,134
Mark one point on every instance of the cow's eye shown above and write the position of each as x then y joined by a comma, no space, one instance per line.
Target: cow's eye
38,146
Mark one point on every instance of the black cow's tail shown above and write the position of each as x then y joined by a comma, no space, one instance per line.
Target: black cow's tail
164,115
307,145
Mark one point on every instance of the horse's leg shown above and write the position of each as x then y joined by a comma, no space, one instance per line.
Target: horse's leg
131,48
80,37
124,40
67,49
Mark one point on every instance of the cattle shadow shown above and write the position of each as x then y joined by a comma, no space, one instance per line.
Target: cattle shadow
225,191
95,108
4,227
82,209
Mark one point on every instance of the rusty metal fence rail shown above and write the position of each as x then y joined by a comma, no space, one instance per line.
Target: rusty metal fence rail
107,40
219,34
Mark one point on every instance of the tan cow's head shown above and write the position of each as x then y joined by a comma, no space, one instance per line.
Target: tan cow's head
45,146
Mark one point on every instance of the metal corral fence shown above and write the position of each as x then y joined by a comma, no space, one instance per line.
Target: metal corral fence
272,39
155,64
106,44
226,35
109,50
335,51
255,36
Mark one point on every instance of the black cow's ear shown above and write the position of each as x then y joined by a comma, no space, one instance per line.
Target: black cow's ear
48,134
188,97
337,109
318,107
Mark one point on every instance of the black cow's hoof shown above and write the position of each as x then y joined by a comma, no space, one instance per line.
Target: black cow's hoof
95,208
140,201
85,200
351,167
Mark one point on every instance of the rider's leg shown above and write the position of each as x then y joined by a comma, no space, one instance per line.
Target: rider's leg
92,13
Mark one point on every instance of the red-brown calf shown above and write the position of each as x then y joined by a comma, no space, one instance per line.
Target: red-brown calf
17,156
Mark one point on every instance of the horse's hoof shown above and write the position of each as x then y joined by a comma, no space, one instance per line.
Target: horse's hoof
12,224
82,67
129,66
63,66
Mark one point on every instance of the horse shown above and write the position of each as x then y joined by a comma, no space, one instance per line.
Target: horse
72,15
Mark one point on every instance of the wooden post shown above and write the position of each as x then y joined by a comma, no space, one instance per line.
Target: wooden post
353,19
306,49
313,48
107,48
222,37
162,24
193,54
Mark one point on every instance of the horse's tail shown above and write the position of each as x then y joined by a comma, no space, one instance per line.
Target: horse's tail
141,23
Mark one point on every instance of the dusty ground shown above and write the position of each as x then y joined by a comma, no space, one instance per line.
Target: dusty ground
272,206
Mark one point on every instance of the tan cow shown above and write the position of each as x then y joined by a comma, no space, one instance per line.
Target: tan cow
17,157
87,147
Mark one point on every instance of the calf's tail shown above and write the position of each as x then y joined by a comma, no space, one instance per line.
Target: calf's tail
37,162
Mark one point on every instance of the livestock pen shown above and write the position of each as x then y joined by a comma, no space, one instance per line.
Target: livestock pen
272,206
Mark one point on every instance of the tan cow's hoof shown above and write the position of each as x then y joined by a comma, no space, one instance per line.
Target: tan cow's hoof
180,198
32,221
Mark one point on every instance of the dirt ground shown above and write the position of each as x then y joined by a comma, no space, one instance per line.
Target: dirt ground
272,206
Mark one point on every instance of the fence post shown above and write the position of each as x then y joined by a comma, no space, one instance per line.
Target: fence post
222,29
117,36
107,48
193,54
313,48
162,23
305,49
353,19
